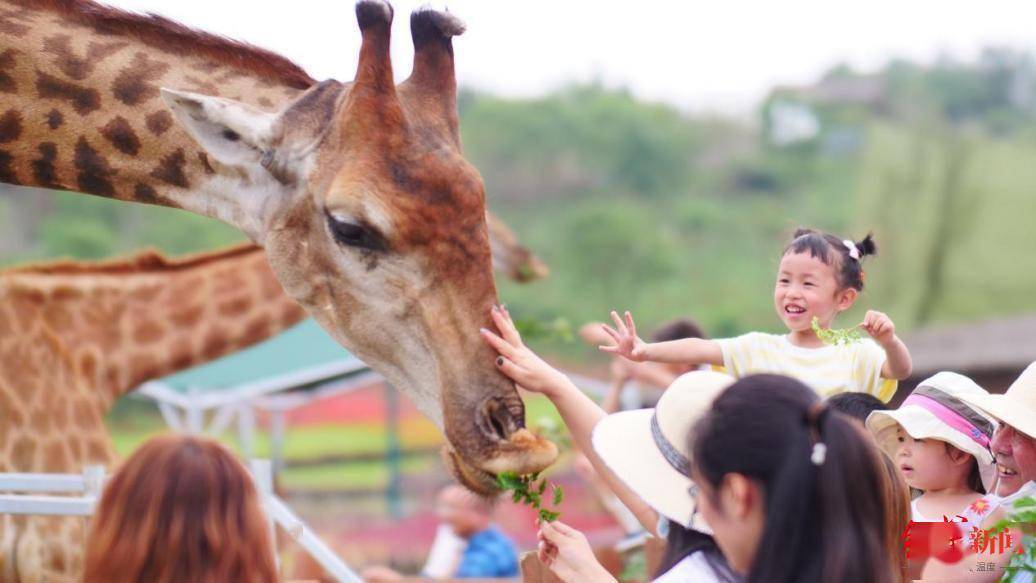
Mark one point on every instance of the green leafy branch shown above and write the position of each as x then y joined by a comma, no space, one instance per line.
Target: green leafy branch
836,337
1025,513
526,490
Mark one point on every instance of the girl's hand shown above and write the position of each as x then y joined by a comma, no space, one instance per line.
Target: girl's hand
879,326
566,552
516,361
627,343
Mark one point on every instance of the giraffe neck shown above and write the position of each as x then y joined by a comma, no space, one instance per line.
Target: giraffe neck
80,108
122,323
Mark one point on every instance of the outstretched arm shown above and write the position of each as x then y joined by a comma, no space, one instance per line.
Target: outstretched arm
578,411
686,350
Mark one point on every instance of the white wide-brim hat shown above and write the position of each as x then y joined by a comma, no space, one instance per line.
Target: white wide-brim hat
938,409
1017,406
648,449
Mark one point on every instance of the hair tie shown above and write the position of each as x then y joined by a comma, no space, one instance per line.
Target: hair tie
814,415
854,251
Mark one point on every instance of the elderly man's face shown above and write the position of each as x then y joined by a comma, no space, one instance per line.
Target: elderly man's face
1015,459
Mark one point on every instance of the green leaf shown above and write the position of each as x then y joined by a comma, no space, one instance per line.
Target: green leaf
836,337
559,495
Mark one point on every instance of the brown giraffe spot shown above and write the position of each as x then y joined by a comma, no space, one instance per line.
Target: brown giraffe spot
75,445
148,332
10,410
215,344
187,316
290,315
121,135
235,306
202,86
83,99
265,102
6,172
83,414
205,66
145,293
10,126
23,453
88,365
145,194
40,420
43,170
58,318
7,84
112,376
96,450
57,557
66,293
170,169
158,122
95,174
257,329
60,415
182,354
144,368
76,67
136,83
55,458
55,119
227,281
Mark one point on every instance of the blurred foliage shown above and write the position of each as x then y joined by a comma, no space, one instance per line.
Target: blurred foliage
639,206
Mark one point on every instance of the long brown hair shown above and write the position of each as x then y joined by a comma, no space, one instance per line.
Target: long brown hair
897,515
181,508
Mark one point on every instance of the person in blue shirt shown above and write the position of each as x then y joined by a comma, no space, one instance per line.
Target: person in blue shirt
484,551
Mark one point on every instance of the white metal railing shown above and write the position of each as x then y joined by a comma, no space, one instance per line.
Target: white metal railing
277,512
33,489
36,501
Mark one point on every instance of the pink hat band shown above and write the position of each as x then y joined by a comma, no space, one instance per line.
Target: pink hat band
953,412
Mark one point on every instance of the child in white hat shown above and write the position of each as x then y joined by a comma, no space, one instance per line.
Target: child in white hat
941,445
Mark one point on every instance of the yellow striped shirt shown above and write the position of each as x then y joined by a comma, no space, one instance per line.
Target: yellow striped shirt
829,370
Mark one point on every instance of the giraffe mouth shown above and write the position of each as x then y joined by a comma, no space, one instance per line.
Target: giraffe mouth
516,450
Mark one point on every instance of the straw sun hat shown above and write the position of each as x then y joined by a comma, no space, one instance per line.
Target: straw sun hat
1016,407
648,448
939,409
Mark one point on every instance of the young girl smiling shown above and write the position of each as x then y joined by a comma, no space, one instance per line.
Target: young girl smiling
820,276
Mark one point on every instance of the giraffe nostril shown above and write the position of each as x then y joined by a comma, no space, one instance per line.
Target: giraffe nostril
495,420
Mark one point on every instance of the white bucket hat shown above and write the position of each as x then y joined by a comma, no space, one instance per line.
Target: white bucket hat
937,409
1017,406
648,448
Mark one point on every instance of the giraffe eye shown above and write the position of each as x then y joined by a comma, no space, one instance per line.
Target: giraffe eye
357,235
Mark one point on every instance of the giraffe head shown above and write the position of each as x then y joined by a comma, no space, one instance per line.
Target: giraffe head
373,220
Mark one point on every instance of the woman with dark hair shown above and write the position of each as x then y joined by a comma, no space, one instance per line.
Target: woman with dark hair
181,508
641,455
792,491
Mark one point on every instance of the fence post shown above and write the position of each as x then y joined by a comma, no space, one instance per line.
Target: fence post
393,455
263,475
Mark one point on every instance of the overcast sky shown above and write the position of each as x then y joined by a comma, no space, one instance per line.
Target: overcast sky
701,56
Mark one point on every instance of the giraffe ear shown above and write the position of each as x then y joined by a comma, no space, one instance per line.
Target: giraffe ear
232,132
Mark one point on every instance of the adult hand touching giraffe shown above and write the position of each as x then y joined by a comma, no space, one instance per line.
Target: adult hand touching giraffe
517,361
